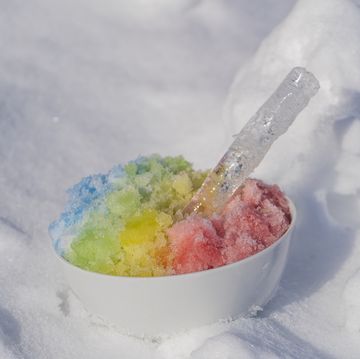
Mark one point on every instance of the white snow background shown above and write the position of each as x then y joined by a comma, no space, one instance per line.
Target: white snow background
86,84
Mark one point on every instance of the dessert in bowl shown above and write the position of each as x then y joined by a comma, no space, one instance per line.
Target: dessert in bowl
132,257
156,247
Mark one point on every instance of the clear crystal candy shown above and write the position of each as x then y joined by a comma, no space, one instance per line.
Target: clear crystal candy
254,140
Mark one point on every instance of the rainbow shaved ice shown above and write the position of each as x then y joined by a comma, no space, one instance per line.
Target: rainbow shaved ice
130,221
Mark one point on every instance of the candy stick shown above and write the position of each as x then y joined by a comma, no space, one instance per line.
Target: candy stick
253,142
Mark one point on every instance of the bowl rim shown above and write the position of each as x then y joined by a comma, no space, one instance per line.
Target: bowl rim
190,274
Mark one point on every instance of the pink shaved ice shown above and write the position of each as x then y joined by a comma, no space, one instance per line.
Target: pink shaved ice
195,245
253,219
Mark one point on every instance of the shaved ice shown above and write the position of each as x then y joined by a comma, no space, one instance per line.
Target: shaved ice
130,221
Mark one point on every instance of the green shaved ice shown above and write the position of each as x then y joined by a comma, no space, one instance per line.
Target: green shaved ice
177,164
124,202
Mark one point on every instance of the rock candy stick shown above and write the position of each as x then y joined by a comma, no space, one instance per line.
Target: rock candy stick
253,142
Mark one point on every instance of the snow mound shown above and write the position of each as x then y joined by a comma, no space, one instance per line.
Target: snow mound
84,85
351,297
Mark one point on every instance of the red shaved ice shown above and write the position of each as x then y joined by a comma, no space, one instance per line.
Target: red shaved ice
195,245
256,217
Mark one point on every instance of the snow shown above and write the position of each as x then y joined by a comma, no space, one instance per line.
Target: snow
87,84
351,297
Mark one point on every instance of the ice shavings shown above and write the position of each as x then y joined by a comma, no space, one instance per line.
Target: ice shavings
132,225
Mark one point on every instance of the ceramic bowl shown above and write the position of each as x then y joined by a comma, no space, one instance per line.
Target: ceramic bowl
159,305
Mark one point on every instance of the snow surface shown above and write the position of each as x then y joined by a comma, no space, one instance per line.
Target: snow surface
86,84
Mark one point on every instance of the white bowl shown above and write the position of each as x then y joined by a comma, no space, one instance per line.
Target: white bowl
162,305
